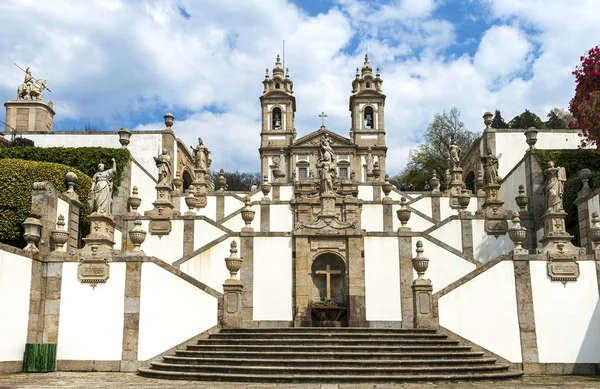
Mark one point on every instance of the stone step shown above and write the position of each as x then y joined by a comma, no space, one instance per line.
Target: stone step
329,335
299,361
329,342
331,377
339,355
332,330
319,370
319,348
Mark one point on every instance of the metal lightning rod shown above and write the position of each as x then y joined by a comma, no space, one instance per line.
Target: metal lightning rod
48,89
283,54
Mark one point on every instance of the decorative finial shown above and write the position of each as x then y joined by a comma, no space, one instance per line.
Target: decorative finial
287,73
366,59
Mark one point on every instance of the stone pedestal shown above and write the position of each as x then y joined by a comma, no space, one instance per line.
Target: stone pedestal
556,239
495,215
97,253
202,187
28,116
162,213
231,307
102,232
327,205
455,186
423,304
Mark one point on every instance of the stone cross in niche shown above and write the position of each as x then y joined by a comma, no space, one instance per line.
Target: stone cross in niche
322,116
328,272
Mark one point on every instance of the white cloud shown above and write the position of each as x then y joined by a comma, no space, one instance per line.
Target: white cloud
502,51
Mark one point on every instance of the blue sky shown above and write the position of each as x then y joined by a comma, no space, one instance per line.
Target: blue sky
125,63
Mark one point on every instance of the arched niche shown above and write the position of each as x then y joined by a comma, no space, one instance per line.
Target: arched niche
330,268
470,181
187,179
368,117
276,119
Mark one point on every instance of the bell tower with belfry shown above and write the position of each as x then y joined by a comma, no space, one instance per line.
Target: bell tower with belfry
368,125
278,107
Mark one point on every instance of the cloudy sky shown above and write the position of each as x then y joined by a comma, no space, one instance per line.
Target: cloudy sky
117,63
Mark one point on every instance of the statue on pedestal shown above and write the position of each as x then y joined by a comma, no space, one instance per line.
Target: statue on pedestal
369,162
101,191
200,155
327,172
163,163
490,165
455,156
554,187
31,87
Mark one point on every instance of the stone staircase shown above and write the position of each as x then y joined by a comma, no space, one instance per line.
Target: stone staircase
328,355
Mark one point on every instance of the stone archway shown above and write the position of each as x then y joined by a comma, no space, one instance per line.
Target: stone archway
330,290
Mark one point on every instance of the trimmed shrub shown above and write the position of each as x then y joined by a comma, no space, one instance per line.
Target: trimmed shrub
16,182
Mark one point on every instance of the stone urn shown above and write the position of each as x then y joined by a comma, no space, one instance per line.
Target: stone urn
594,231
531,137
137,235
403,213
222,181
192,202
70,179
124,137
265,187
376,170
517,234
464,199
387,187
59,236
134,201
32,232
233,262
177,183
420,263
247,212
522,199
169,118
434,182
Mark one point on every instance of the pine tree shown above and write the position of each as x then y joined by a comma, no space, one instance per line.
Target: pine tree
498,120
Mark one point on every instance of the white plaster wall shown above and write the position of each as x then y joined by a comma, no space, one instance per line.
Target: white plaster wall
446,210
444,266
210,210
397,196
510,187
257,196
484,311
567,318
280,218
593,206
286,193
209,266
232,204
487,247
91,320
416,222
372,217
205,233
169,248
382,277
15,283
171,311
236,223
450,233
423,205
143,147
62,208
365,192
146,188
272,283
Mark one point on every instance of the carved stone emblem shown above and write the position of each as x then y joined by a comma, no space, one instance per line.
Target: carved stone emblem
93,272
563,268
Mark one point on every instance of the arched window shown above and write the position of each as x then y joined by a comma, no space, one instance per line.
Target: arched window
470,181
368,117
276,118
276,85
368,84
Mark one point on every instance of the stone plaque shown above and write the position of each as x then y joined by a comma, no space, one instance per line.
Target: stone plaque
93,273
563,268
424,303
160,226
231,302
331,244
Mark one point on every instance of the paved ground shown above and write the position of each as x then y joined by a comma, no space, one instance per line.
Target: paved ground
132,381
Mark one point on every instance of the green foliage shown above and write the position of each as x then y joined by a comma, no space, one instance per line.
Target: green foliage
85,159
525,120
21,142
432,155
237,181
16,182
573,161
498,120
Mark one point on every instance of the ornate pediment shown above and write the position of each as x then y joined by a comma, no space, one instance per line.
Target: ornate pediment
314,139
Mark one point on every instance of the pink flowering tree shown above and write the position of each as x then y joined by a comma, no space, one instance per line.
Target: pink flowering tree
585,106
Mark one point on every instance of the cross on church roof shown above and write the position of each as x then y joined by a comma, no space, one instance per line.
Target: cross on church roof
322,116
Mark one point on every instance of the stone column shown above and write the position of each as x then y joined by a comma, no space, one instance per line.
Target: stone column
247,277
406,277
529,349
422,293
131,327
303,283
388,214
466,225
230,306
435,207
356,272
44,201
44,307
220,196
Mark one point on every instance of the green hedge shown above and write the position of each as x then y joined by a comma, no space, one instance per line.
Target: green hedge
573,161
16,182
85,159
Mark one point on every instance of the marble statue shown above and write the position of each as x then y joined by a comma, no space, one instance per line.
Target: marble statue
455,156
163,163
490,165
369,162
31,87
200,155
101,190
554,187
326,172
326,147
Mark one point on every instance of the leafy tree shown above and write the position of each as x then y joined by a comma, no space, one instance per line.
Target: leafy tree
238,181
585,105
432,155
525,120
498,120
558,119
